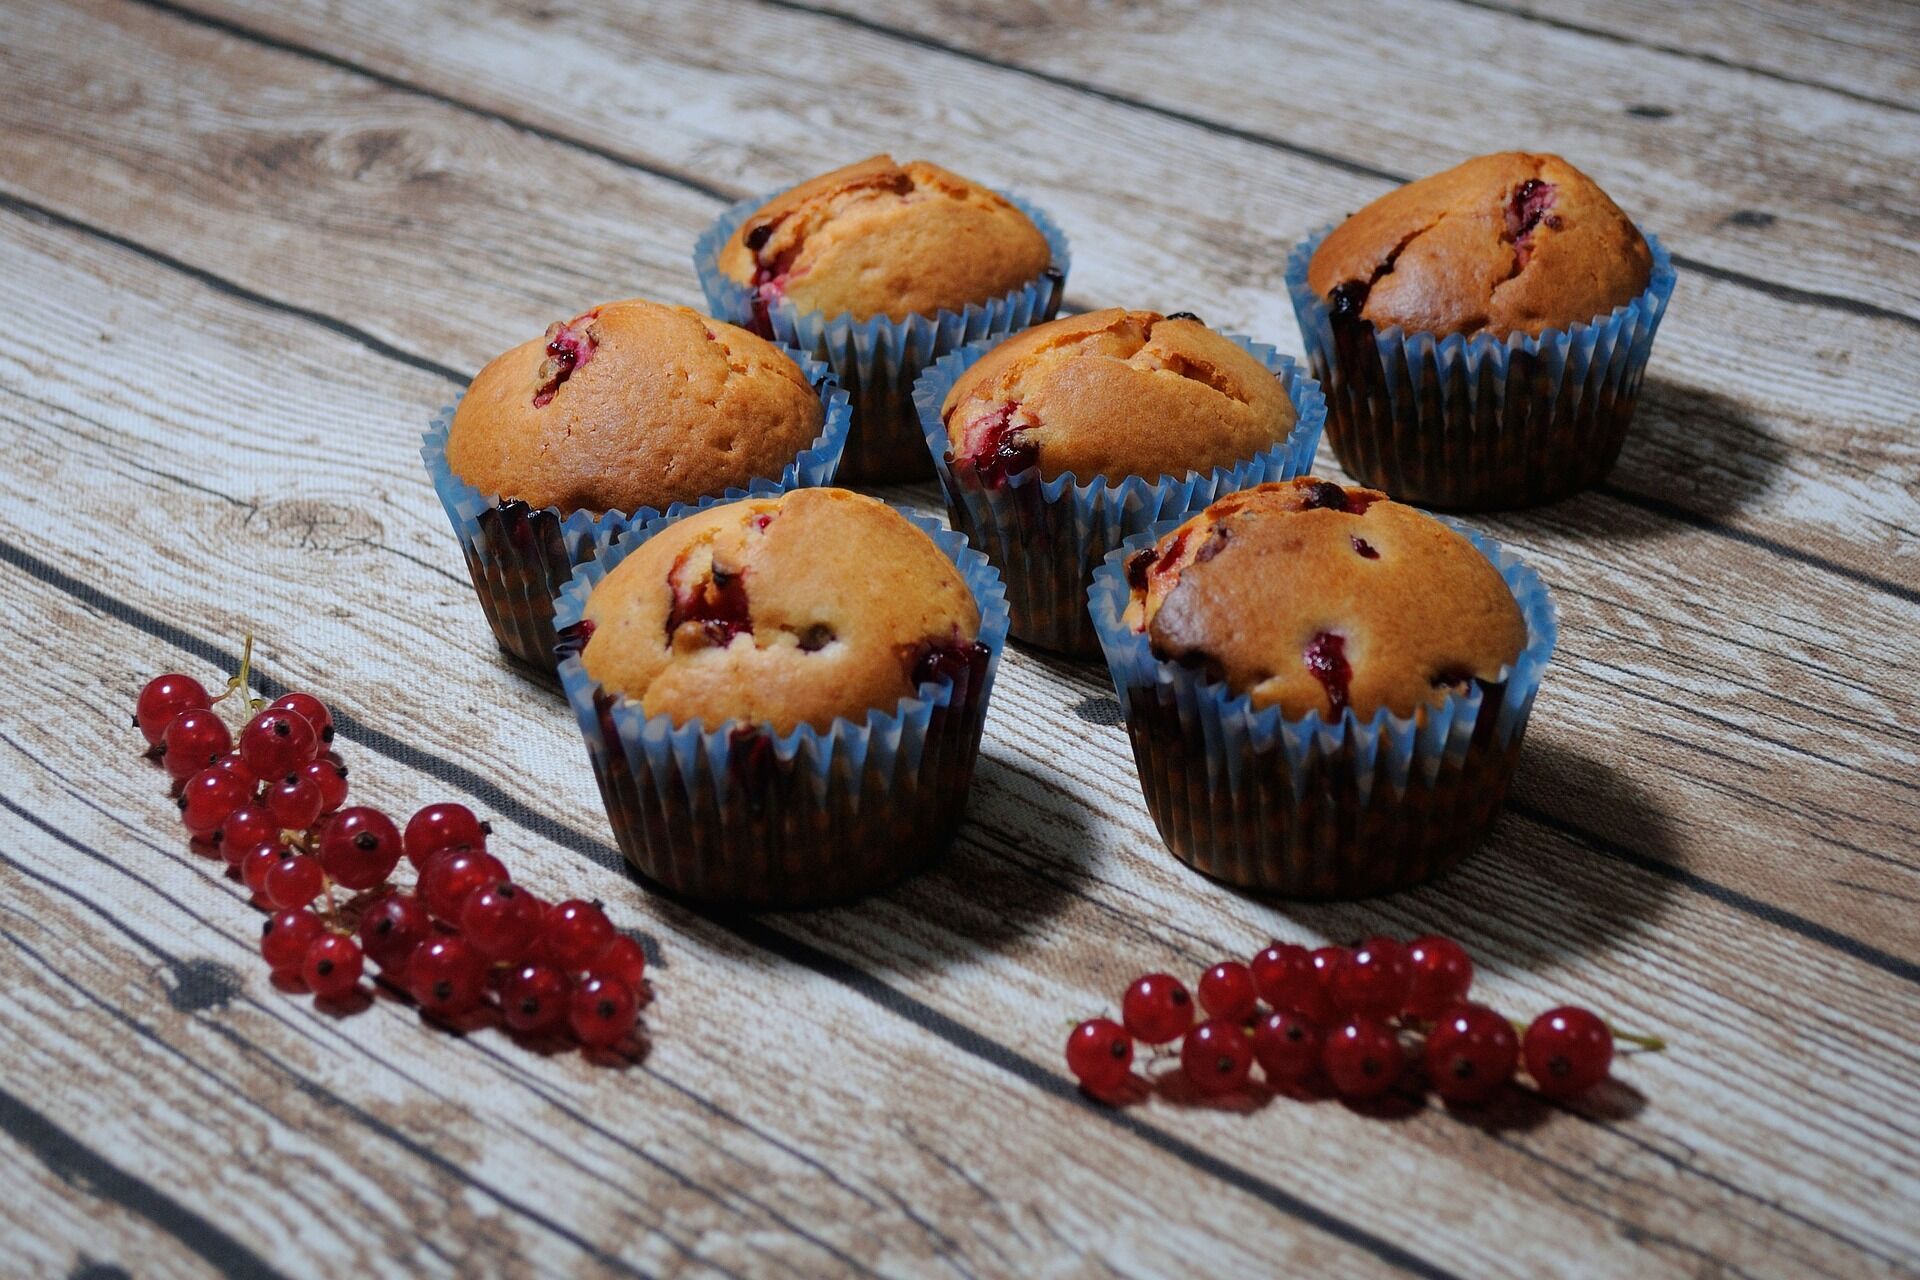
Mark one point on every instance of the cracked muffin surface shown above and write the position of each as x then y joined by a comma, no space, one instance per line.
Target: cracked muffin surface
1115,393
784,611
1513,242
632,404
1316,597
881,238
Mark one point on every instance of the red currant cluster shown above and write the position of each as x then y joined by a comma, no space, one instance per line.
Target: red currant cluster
464,938
1348,1017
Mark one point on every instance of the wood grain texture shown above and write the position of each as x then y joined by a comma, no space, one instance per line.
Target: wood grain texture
263,265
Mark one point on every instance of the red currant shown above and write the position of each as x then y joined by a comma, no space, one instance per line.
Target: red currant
1326,961
1568,1051
1226,991
294,802
244,828
439,827
359,847
209,798
332,966
391,927
536,999
164,698
1285,976
625,960
331,778
285,936
1470,1053
446,976
1156,1009
451,875
1373,979
310,709
231,763
193,740
1442,973
1362,1057
602,1012
254,865
1216,1056
575,934
1287,1043
502,920
276,742
1100,1055
293,880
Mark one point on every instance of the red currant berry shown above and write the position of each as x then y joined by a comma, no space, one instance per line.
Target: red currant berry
1326,961
293,880
439,827
1568,1051
285,936
331,778
275,743
451,875
193,740
1287,1043
602,1012
332,966
254,865
310,709
1362,1057
209,798
446,976
244,828
1216,1056
294,802
1470,1053
1226,991
1373,979
575,934
1156,1009
231,763
1285,976
1442,973
536,999
391,927
502,920
164,698
624,960
359,847
1100,1055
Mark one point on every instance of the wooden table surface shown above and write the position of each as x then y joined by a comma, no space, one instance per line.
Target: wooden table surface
245,251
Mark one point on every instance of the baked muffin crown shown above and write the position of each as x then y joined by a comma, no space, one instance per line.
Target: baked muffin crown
1313,597
631,405
787,610
881,238
1512,242
1115,393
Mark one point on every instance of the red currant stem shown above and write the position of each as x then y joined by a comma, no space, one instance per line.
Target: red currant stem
238,683
1652,1044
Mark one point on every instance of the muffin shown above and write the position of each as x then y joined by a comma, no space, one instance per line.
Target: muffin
1482,332
1326,690
880,268
783,696
1055,444
610,418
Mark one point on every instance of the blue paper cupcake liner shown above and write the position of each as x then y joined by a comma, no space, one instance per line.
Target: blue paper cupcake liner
520,557
1047,536
740,815
877,359
1311,808
1479,422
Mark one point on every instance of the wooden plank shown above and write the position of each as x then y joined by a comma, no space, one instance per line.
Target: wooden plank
357,414
1736,439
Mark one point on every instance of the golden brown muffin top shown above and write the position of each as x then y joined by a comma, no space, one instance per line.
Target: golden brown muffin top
785,610
880,238
630,405
1115,393
1509,242
1315,597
